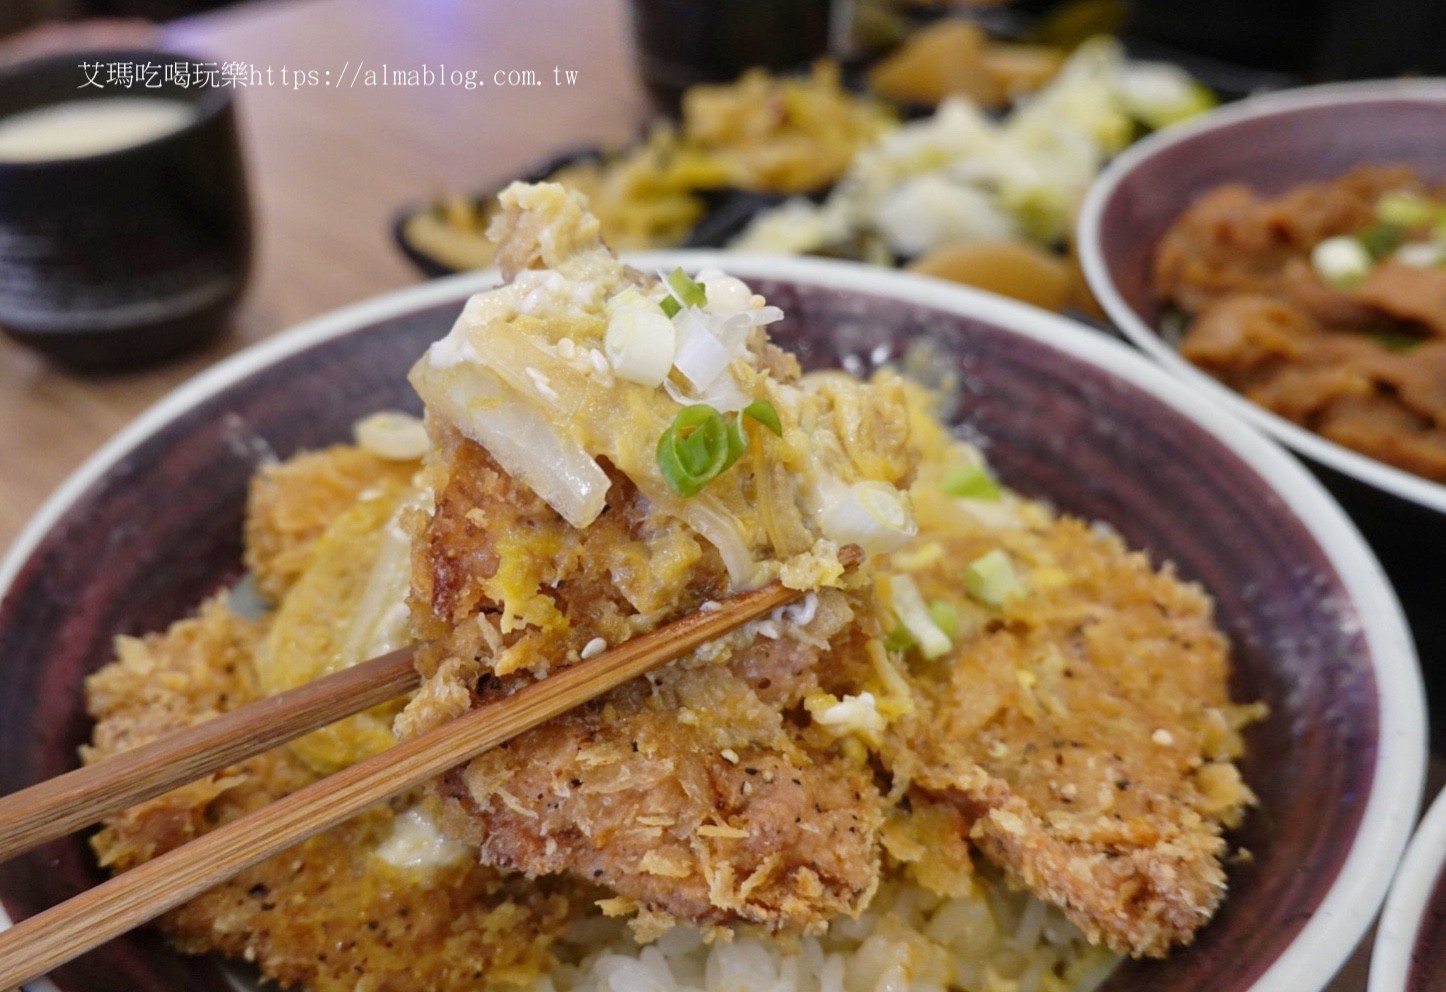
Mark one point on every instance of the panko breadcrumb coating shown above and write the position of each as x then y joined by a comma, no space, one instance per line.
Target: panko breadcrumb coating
290,503
329,914
1087,733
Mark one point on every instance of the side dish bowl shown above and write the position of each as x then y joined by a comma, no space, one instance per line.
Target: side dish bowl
152,523
1272,143
1410,949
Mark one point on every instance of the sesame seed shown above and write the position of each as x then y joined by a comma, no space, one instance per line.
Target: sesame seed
593,648
1163,737
540,381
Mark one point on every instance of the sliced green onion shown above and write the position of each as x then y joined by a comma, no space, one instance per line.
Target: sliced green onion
991,579
899,639
908,606
1381,239
670,307
694,449
946,615
687,292
1405,209
700,444
1341,261
971,482
763,412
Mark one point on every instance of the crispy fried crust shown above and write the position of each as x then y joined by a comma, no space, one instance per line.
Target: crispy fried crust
631,792
687,795
1089,737
291,503
326,914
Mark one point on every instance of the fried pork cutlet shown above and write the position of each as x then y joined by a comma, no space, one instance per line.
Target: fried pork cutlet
695,796
1087,734
689,794
1062,712
330,914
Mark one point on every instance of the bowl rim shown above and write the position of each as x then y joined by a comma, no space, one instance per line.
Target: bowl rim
1349,905
1099,276
1421,869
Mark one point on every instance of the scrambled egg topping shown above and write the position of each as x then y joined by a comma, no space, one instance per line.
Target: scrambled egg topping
526,373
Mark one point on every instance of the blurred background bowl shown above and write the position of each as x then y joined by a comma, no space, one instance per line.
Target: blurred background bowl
1410,949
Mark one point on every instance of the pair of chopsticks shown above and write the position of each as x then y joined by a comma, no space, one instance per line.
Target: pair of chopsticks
56,807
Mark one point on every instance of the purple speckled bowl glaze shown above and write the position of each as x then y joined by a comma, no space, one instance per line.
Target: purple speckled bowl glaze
1270,142
1410,949
152,524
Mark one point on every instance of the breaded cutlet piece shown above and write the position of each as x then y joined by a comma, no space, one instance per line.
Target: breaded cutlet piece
1089,736
327,914
291,503
690,795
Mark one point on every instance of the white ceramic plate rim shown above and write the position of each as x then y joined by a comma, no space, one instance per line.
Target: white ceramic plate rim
1102,284
1350,904
1405,911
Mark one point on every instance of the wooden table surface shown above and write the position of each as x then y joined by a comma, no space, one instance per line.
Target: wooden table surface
330,165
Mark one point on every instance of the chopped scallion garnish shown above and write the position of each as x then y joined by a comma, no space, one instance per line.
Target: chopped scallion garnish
693,450
670,306
991,579
946,615
1381,239
688,292
763,412
1405,209
700,445
899,639
970,482
908,605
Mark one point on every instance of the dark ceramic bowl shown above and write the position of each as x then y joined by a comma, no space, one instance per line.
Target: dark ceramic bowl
1410,949
152,524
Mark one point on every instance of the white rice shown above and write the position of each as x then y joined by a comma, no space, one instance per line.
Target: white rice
909,940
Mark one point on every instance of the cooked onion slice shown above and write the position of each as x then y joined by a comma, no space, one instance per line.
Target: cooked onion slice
520,437
701,357
873,515
640,343
395,436
909,607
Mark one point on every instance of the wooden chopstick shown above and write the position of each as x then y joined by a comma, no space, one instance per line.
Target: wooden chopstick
66,803
34,946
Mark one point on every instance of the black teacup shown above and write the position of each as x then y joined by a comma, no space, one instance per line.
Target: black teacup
117,257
